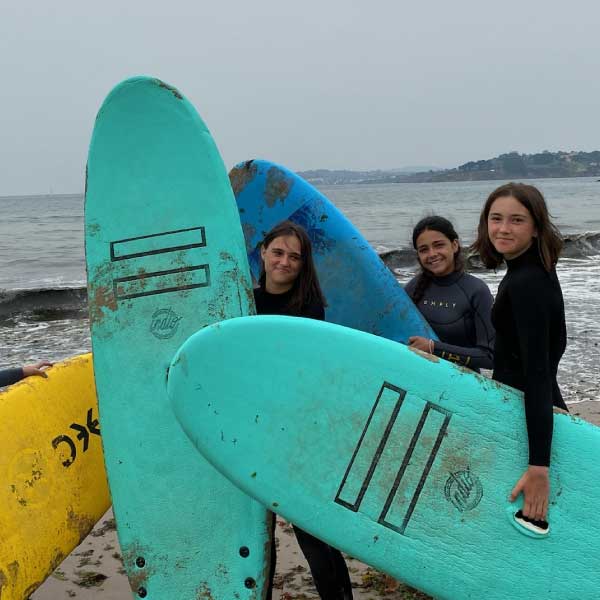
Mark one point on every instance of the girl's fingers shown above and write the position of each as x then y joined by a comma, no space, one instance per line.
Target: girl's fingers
516,490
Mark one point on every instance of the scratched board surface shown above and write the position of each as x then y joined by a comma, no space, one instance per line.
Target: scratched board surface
165,257
360,290
400,459
53,481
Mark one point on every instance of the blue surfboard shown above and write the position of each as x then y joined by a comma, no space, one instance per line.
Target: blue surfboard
165,257
360,290
401,459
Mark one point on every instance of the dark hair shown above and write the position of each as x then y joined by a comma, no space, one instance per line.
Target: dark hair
549,239
306,289
445,227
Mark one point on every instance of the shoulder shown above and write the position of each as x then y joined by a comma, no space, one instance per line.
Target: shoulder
410,286
528,280
316,310
534,290
417,280
474,284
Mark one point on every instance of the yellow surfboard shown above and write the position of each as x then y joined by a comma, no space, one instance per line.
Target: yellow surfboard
53,485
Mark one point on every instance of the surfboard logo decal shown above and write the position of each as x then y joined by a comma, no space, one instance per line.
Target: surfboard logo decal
165,322
463,490
178,247
91,427
411,475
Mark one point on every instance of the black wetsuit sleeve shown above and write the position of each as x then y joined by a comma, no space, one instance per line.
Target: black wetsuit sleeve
481,355
532,317
10,376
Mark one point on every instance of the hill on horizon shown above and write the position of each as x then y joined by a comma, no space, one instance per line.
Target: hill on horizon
511,165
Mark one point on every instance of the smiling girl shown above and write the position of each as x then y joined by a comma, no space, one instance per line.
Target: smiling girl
455,304
288,282
529,318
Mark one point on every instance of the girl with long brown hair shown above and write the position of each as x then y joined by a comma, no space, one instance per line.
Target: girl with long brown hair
529,319
289,286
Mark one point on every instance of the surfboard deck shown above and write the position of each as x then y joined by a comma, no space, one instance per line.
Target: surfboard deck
165,257
54,484
398,458
360,290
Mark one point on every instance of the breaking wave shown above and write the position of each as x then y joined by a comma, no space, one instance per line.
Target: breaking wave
53,303
580,245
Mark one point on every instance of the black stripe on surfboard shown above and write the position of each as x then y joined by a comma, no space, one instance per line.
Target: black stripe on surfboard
413,503
355,506
165,290
176,248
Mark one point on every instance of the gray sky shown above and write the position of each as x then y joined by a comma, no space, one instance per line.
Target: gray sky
313,84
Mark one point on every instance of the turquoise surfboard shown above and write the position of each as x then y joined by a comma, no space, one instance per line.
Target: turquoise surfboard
165,257
403,460
360,290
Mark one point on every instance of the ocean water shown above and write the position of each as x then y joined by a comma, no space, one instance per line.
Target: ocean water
43,312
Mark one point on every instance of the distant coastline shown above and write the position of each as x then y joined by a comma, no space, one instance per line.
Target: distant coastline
503,167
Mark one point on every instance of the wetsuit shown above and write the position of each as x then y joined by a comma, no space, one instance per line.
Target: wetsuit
529,317
458,308
327,565
10,376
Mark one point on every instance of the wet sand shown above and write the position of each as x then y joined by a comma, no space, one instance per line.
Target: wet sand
94,570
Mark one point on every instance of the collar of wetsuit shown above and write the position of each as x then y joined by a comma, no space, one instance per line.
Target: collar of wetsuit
530,256
448,279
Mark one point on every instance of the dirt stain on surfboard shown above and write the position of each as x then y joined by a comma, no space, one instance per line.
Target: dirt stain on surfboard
240,177
171,89
102,298
80,523
249,233
140,567
430,357
277,186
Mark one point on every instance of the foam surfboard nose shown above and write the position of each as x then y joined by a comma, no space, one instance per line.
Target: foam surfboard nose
396,457
267,193
165,257
52,468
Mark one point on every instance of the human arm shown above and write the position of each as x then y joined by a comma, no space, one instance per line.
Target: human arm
10,376
421,343
409,288
36,369
533,311
417,341
535,486
479,353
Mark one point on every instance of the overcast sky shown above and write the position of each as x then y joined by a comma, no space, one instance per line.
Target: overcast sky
312,84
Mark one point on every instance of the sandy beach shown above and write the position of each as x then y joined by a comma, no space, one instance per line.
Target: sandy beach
94,569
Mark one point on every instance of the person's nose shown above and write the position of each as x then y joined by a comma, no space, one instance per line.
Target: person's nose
504,226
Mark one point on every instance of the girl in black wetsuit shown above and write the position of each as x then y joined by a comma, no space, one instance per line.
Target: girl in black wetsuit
529,318
289,286
455,304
